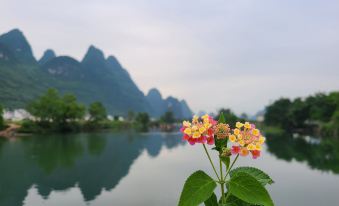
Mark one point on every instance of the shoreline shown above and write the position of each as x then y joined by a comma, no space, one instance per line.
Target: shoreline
10,131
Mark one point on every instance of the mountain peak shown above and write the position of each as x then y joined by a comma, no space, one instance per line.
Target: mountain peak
154,93
186,111
94,59
94,52
113,62
18,44
48,55
15,32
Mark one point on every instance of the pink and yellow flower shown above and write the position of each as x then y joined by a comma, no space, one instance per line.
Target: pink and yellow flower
246,139
201,130
222,131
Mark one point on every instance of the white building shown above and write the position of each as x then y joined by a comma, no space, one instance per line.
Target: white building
17,115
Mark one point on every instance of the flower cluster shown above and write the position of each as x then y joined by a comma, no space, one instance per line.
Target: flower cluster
200,130
222,131
247,139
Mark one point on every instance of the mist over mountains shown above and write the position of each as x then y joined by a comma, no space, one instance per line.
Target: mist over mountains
94,78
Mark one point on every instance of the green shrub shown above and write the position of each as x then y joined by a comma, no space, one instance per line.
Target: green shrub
2,122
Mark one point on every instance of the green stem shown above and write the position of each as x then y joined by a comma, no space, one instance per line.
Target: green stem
208,155
229,169
222,185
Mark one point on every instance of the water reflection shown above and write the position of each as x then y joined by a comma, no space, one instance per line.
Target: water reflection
95,163
319,154
92,162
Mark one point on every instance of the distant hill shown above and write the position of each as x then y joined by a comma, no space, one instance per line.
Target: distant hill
95,78
180,109
48,55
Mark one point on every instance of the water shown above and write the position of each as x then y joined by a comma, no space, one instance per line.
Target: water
150,169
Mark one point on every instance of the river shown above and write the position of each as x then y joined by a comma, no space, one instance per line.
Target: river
125,169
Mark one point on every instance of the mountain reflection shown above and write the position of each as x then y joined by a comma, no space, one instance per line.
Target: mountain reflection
322,154
92,162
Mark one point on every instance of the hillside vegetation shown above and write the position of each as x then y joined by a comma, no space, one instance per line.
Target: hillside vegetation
94,78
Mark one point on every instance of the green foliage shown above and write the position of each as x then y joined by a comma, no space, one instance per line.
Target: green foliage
22,79
234,201
298,113
130,116
212,201
221,118
97,112
2,122
323,156
119,125
167,118
249,189
28,126
321,106
142,121
277,113
61,113
229,116
320,110
71,109
226,161
198,188
47,107
259,175
335,117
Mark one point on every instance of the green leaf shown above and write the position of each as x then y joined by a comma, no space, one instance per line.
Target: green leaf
249,189
198,188
219,144
261,176
221,118
226,161
212,201
234,201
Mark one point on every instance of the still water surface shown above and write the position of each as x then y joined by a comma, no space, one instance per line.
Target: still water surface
123,169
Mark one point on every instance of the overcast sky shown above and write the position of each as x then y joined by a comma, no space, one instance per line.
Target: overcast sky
239,54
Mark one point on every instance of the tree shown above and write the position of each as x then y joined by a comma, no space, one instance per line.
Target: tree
321,107
71,110
298,113
97,112
277,114
142,121
244,116
47,107
230,117
130,116
2,123
52,109
168,118
316,110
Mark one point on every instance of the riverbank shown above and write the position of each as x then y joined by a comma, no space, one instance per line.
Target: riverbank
10,131
28,127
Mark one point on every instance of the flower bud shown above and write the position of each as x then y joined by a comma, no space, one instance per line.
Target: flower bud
225,152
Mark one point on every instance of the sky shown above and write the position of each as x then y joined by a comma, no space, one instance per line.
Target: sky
238,54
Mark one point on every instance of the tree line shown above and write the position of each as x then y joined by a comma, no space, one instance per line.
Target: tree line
53,111
319,111
2,122
63,113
